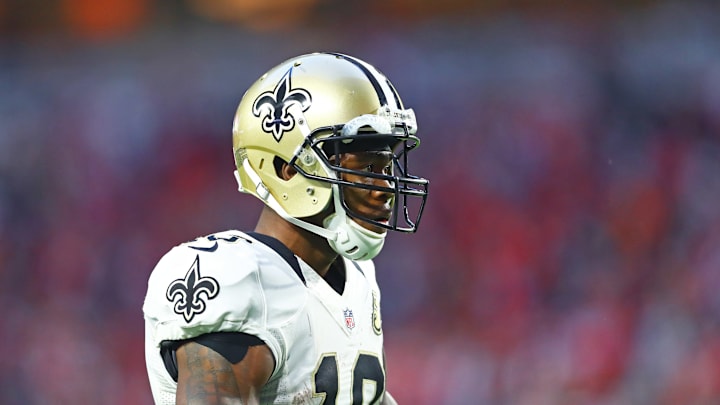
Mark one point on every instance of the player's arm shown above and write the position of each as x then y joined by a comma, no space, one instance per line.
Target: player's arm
206,377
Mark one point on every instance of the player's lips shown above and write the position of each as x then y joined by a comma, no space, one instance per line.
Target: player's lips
380,213
383,216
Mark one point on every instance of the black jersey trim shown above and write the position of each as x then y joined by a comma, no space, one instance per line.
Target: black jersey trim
337,275
233,346
282,250
169,358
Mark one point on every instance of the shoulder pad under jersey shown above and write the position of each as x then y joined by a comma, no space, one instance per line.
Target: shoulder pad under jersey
223,282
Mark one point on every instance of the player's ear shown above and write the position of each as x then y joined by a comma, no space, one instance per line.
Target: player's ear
283,169
288,172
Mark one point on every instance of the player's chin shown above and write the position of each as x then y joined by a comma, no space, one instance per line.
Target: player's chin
374,228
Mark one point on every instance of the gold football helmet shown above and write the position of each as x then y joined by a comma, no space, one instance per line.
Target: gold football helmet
307,110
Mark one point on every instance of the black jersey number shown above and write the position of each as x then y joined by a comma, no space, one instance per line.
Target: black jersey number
214,239
367,370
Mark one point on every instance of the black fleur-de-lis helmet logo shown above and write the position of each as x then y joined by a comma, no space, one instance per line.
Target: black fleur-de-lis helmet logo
190,294
274,106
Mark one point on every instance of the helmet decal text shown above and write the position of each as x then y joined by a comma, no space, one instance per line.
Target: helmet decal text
274,106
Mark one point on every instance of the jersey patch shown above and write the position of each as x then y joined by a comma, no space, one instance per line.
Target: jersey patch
349,318
190,294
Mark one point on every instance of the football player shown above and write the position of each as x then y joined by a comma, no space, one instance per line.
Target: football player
290,313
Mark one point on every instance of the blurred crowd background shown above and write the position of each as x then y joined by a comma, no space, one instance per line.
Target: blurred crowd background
570,250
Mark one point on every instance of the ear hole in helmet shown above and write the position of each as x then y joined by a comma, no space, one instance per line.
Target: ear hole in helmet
283,169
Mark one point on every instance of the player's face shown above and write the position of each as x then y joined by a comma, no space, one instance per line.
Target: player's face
374,204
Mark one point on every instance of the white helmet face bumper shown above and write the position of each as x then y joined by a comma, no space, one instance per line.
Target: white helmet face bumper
353,241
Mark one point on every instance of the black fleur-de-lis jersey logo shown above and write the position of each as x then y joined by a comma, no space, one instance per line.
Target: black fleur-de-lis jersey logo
189,294
273,106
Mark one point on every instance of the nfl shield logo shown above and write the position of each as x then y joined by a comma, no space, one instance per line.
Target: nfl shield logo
349,319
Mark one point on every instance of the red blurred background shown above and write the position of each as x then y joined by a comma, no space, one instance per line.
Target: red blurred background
569,252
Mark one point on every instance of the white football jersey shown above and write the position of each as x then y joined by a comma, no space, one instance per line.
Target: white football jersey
328,347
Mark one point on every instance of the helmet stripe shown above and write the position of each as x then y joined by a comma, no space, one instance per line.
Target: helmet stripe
376,79
394,92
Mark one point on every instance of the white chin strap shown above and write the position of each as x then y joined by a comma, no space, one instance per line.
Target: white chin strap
344,235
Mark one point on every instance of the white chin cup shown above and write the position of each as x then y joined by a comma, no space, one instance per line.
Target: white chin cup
353,241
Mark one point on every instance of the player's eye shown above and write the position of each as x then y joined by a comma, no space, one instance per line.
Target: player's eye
372,168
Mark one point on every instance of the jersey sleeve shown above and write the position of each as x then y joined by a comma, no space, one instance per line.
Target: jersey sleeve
195,290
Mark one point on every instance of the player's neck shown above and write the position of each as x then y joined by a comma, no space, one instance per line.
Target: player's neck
311,248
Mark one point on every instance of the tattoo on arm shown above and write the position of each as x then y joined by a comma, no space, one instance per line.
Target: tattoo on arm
205,377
